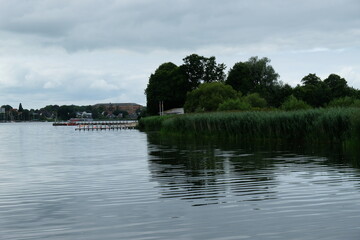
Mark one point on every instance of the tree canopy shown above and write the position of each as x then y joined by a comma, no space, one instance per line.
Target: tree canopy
313,91
337,85
200,69
176,85
255,75
169,85
208,97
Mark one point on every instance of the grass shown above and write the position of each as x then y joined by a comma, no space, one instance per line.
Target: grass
330,124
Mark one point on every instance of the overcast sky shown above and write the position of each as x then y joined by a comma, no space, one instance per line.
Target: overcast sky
85,52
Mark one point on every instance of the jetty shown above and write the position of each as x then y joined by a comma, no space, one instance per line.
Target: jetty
106,125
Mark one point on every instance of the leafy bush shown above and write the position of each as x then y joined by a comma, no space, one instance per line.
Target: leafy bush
292,103
342,102
208,97
255,100
234,104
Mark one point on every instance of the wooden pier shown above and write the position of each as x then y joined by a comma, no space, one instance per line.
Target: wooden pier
112,125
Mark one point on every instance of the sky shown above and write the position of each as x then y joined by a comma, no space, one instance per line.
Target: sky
85,52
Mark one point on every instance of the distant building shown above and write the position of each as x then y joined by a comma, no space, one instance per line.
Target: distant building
131,108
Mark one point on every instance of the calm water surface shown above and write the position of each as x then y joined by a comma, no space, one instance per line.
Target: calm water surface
57,183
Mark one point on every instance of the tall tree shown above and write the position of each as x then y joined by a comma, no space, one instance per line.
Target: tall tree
262,73
20,112
200,69
169,85
239,78
313,91
20,108
338,86
255,75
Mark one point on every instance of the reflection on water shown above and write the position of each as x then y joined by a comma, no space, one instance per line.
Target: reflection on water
213,170
278,190
56,183
210,174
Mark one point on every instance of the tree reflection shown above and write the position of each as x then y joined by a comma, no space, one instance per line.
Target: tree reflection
212,171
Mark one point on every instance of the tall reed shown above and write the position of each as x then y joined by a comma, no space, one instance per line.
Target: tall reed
153,123
331,124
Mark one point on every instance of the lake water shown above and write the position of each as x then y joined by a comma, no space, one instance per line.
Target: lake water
58,183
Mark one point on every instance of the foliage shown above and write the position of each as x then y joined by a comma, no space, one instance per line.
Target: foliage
239,78
21,109
344,102
7,107
208,97
292,103
200,69
337,85
169,85
341,102
234,104
313,91
248,102
255,100
255,76
278,94
123,113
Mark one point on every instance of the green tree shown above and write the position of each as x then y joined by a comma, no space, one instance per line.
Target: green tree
169,85
199,69
280,93
7,107
255,75
313,91
21,109
20,112
338,86
262,73
239,78
208,97
65,112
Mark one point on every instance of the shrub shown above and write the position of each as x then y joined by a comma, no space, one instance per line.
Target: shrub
208,97
255,100
292,103
341,102
234,104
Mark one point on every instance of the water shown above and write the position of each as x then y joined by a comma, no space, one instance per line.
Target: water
57,183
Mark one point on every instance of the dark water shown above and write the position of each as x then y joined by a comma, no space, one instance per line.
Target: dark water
57,183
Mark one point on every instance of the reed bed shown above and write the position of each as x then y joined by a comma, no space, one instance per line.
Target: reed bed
153,123
331,124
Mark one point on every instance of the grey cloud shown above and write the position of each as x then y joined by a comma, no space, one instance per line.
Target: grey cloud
87,51
183,24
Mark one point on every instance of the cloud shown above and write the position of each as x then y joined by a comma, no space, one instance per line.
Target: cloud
351,74
144,25
103,85
89,51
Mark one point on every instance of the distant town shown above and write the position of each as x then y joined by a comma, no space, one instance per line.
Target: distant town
100,111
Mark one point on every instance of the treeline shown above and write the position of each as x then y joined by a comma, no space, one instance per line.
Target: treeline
201,85
56,112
